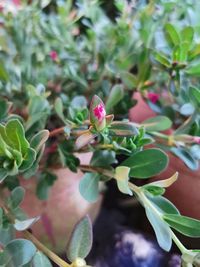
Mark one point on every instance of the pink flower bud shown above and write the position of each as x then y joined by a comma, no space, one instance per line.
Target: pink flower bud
97,113
53,55
196,139
153,97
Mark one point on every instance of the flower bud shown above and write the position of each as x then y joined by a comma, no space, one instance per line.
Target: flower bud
97,113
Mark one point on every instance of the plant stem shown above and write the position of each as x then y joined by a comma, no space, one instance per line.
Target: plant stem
56,259
96,169
144,200
178,243
51,255
148,203
57,131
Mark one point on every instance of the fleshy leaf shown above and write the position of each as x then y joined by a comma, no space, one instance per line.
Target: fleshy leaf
146,163
122,177
185,225
80,242
23,225
89,186
161,230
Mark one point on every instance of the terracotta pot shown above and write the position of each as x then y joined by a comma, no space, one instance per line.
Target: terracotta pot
185,192
62,210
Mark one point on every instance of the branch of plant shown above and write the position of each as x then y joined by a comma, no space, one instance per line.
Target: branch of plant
51,255
143,199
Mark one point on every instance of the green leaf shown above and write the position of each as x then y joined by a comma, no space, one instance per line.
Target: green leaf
79,103
45,182
3,174
163,204
185,225
39,139
81,240
16,136
184,48
4,106
172,34
67,157
187,34
89,186
28,159
161,230
59,109
24,225
84,139
194,95
116,94
158,123
122,177
103,158
146,163
19,252
154,190
193,69
6,234
40,260
162,59
128,79
16,197
124,129
3,73
176,53
186,157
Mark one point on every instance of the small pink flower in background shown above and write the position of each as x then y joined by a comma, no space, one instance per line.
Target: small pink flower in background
53,55
16,2
196,139
99,112
153,97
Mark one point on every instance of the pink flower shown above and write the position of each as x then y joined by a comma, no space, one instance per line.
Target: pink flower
99,112
53,55
153,97
16,2
196,139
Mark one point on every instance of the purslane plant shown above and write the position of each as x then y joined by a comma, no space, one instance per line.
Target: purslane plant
106,138
77,51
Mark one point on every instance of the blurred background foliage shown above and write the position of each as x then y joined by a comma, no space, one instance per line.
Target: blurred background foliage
51,49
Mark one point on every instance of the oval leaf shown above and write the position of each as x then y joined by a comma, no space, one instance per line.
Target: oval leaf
161,230
89,187
185,225
159,123
81,240
146,163
19,252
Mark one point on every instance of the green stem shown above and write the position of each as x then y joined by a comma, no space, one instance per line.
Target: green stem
178,243
56,259
147,202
